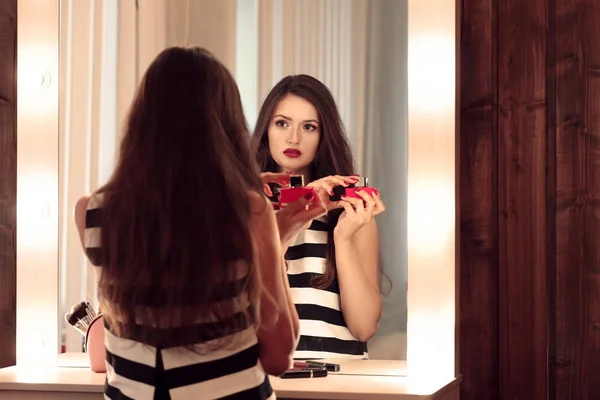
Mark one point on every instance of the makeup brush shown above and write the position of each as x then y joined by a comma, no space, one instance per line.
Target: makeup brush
90,311
80,316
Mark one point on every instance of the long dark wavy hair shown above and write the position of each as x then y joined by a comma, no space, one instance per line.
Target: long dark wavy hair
333,157
176,213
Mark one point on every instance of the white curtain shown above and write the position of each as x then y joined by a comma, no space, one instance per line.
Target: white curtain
88,109
382,144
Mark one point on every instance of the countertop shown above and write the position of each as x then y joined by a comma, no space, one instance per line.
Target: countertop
357,379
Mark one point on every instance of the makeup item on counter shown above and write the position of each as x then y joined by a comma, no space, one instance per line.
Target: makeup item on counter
80,316
350,190
304,373
90,324
302,365
327,366
294,191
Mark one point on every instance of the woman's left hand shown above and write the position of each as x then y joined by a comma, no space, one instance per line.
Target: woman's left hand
357,213
280,178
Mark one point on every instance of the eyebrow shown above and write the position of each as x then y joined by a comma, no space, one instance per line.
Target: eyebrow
289,119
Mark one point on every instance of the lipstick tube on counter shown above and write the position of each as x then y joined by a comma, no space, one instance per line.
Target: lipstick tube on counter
304,373
329,367
303,365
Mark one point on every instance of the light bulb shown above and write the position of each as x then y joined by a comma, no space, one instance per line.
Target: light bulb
33,79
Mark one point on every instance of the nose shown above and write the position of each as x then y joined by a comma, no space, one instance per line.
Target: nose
294,137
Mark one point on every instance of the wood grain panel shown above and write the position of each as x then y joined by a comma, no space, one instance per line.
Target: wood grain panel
547,296
522,198
478,205
550,197
577,72
8,24
8,181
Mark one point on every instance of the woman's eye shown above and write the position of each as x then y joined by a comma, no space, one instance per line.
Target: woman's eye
309,127
280,123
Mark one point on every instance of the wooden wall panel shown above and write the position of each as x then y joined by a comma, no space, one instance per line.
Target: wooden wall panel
478,201
542,290
576,357
521,67
8,180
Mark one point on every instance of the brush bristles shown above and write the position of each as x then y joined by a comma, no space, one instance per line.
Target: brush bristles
81,316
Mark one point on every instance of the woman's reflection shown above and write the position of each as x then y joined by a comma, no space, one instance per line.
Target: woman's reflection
333,266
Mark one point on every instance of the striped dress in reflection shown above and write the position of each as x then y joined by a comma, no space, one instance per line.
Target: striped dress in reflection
136,370
323,330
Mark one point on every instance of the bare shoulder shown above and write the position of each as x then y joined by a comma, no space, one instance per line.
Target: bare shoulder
80,210
79,216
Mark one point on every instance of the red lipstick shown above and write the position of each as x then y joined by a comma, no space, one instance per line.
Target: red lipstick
292,153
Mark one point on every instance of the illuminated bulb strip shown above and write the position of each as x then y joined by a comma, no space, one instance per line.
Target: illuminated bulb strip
431,189
37,183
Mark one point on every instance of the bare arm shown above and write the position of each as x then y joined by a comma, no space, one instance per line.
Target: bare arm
278,334
79,216
357,260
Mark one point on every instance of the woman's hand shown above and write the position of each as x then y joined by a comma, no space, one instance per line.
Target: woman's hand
324,187
280,178
357,213
297,216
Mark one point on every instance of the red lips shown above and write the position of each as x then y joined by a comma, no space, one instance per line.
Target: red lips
292,153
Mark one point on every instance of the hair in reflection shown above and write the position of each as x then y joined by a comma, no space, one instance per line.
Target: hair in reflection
175,211
333,157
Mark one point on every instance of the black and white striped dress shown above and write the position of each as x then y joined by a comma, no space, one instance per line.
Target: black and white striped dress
323,330
139,371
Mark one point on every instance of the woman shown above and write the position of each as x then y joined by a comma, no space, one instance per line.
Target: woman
186,245
333,267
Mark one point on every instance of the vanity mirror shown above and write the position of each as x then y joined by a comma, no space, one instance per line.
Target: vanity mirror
390,66
357,48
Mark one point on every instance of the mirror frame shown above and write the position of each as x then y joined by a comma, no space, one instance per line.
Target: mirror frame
433,38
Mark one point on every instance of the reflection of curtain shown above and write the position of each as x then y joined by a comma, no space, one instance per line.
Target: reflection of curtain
384,157
358,49
87,134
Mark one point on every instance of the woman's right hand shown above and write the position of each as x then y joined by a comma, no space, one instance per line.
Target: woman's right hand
324,187
297,216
